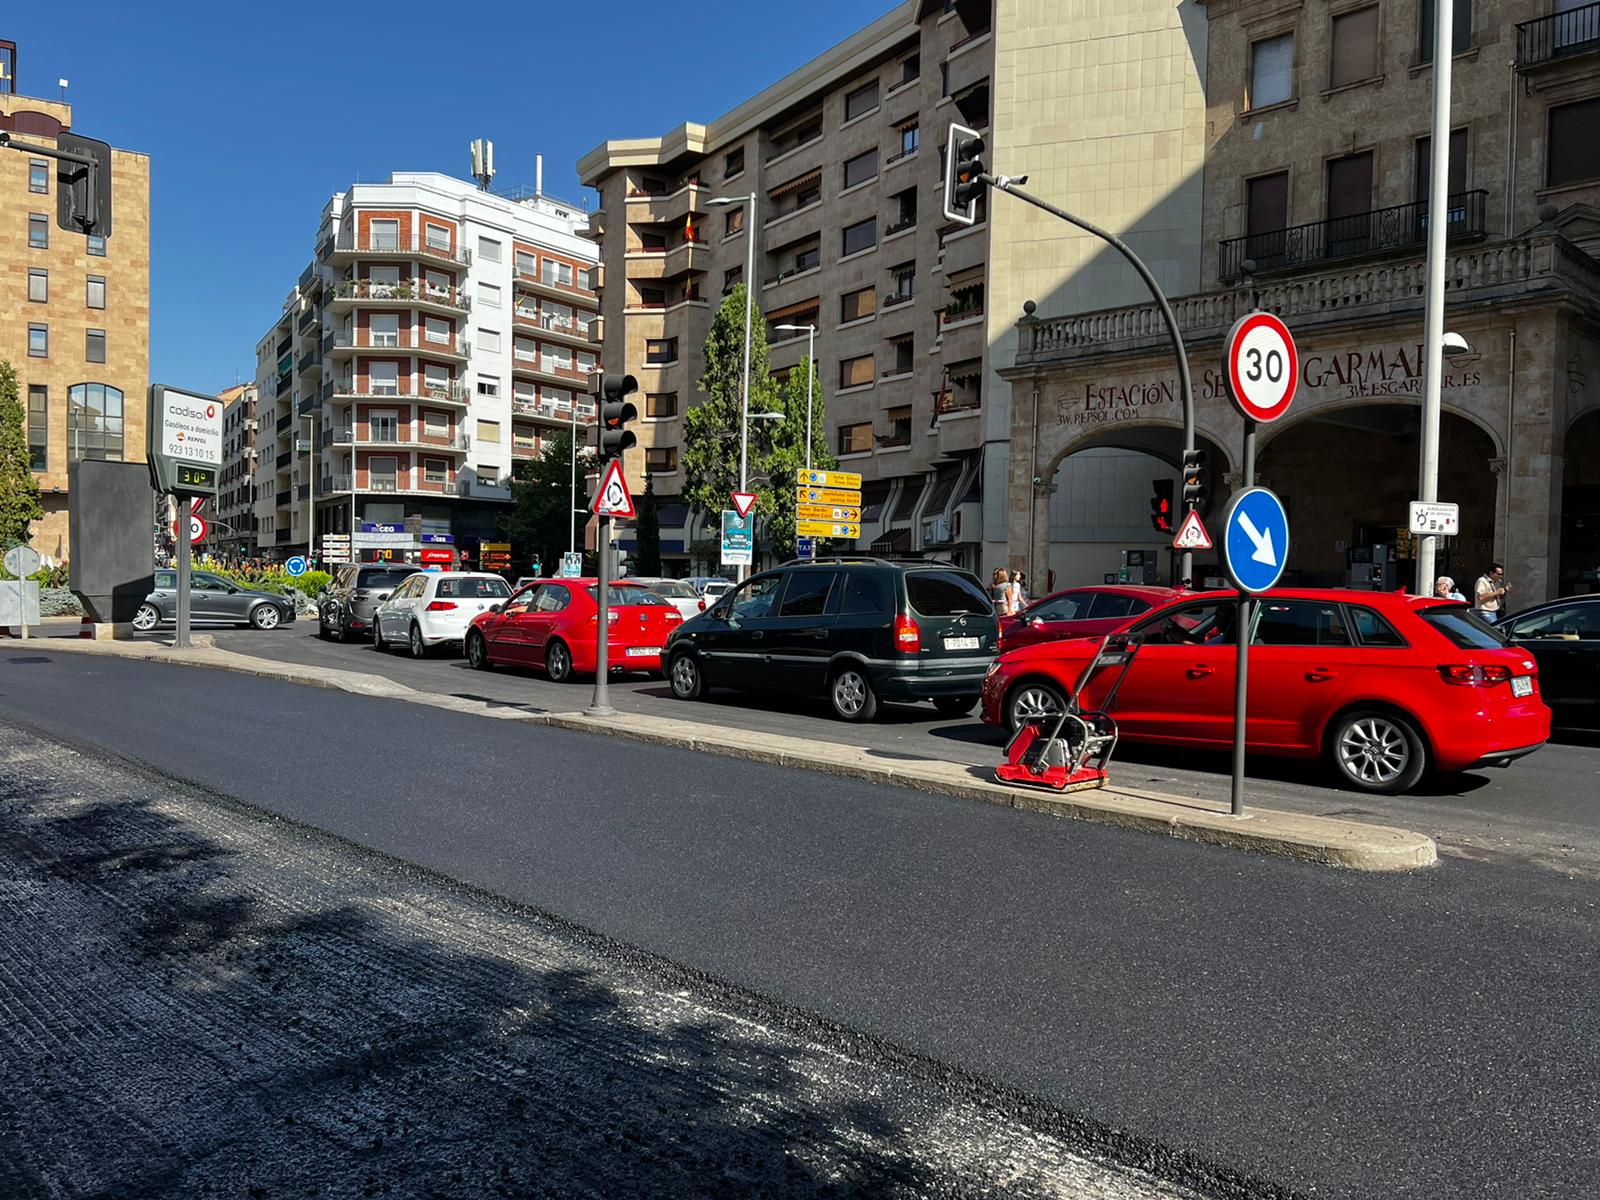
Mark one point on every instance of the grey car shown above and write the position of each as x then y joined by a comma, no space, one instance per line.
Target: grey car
213,600
346,607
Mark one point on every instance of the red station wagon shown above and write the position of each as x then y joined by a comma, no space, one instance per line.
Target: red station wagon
554,624
1080,612
1383,685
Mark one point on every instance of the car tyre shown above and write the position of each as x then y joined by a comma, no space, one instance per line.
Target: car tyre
378,643
478,652
687,680
558,662
1377,752
1033,698
851,694
954,706
147,618
322,626
419,648
265,616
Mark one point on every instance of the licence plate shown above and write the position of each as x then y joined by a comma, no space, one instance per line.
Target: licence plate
966,643
1522,685
643,651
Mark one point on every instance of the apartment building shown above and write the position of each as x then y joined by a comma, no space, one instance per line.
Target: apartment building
438,337
1316,207
235,517
75,322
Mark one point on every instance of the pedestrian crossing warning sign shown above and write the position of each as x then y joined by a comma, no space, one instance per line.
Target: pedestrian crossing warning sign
612,499
1192,534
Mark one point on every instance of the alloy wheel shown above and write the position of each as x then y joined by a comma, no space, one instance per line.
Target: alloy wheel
265,617
1034,700
1374,751
849,693
685,678
147,618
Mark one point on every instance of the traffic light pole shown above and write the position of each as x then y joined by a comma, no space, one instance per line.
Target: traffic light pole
90,218
600,704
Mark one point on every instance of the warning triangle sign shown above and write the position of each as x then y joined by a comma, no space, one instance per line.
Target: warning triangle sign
1192,534
612,499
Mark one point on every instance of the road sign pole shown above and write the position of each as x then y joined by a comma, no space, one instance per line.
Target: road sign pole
600,705
1241,679
181,527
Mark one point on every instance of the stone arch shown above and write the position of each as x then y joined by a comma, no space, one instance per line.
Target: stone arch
1578,568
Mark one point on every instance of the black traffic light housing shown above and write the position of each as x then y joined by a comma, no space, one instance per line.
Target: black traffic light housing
963,174
1196,491
614,412
83,194
1161,505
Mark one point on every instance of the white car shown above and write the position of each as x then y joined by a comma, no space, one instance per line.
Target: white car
433,608
677,593
715,589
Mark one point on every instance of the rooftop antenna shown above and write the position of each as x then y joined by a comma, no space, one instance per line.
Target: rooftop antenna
538,175
64,84
483,162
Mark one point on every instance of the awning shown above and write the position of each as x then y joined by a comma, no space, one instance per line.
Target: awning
800,181
896,541
900,339
943,484
794,310
971,369
965,276
907,122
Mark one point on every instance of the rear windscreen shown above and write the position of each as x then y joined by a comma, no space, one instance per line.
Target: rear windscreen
1464,627
946,594
674,588
385,579
638,597
473,589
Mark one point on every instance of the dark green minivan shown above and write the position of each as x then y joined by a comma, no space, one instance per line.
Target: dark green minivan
856,630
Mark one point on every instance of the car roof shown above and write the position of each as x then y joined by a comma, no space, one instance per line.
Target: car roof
1142,591
1381,600
1559,602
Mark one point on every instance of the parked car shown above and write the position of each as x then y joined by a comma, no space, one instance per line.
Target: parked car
213,600
554,625
1383,685
854,630
524,580
1564,638
677,593
1080,612
710,587
345,607
434,608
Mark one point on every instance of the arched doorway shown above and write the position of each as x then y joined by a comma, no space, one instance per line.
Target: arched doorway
1579,572
1347,478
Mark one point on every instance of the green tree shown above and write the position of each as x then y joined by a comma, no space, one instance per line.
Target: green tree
647,532
785,454
540,520
19,490
711,428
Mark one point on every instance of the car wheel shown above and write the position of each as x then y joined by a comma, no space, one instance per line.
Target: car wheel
688,683
378,643
340,633
1377,752
478,652
954,706
419,648
147,618
322,626
265,616
1033,699
558,662
852,696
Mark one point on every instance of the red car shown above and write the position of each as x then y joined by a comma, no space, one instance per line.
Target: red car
554,624
1383,685
1080,612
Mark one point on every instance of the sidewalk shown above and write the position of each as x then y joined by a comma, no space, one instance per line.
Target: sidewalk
1312,839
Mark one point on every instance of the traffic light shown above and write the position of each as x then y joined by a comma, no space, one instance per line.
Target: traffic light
1161,505
963,169
611,399
1196,492
83,195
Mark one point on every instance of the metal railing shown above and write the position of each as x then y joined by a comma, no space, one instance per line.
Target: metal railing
904,223
343,437
284,422
1345,237
890,299
406,289
405,339
534,277
421,247
1558,35
456,393
550,409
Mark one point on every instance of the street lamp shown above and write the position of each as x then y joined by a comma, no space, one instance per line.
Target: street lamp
811,346
749,303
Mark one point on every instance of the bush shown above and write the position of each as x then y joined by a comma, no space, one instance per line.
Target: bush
58,602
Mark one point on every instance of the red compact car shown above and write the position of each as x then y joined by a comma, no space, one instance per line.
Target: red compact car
1384,685
1080,612
554,624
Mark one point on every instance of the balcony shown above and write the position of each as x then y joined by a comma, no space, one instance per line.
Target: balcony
308,320
284,497
348,247
539,285
456,443
404,342
284,460
900,226
308,362
895,299
551,410
556,329
285,421
407,294
1557,36
285,385
456,394
543,370
332,484
662,208
1380,231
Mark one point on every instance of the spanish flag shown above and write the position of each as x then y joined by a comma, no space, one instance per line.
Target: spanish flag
688,228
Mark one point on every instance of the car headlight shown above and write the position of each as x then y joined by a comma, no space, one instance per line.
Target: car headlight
993,667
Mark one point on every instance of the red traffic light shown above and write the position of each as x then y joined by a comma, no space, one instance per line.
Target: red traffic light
1161,505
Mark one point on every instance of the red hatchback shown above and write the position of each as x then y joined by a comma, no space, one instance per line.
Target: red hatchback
1080,612
1383,685
554,624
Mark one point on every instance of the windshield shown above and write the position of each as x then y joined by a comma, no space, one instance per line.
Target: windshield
384,579
621,596
946,594
1464,627
675,589
473,588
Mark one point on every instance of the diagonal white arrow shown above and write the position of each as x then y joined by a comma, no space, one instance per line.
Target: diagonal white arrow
1263,541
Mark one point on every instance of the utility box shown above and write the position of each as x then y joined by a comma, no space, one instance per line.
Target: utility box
109,507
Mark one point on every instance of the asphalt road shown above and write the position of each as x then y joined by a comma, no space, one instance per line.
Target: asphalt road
1543,810
1429,1035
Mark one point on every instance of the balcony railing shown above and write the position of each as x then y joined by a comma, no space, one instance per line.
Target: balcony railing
951,313
455,393
890,299
1373,232
284,497
421,247
285,421
957,400
285,385
1558,35
534,277
405,339
285,459
903,223
406,289
387,485
550,409
367,437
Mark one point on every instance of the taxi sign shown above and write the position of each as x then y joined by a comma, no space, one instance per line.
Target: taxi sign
824,512
828,479
822,495
827,529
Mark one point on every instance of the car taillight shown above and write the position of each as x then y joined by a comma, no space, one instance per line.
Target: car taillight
1475,676
674,615
907,637
702,604
441,606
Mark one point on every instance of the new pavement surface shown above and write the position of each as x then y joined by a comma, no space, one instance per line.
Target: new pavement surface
1429,1035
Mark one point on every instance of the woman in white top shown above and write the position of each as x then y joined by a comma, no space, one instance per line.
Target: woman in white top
1000,593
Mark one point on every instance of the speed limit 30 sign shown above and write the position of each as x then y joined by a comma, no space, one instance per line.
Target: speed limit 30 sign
1262,367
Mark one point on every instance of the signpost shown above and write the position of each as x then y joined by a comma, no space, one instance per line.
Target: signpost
1434,517
738,539
296,566
827,505
20,562
492,556
571,564
611,498
197,525
1192,534
183,444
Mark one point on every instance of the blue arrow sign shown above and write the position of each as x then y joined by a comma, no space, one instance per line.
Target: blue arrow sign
1255,540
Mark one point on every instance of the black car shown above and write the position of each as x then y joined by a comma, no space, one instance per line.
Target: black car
346,606
1564,638
856,630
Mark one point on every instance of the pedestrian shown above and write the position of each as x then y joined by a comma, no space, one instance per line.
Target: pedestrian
1021,579
1000,593
1489,593
1444,588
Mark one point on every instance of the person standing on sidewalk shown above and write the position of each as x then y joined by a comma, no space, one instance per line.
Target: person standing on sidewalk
1000,593
1489,593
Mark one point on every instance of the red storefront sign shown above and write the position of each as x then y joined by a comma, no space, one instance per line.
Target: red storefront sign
442,556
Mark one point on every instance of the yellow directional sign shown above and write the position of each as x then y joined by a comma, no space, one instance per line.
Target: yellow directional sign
828,479
821,495
827,529
826,512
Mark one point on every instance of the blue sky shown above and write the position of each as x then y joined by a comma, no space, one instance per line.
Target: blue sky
253,115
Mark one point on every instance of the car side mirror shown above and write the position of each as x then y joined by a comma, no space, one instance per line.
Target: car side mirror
1036,621
384,595
497,608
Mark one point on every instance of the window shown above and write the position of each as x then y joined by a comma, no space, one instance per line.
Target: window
38,231
733,163
586,278
435,470
1266,217
38,175
1456,180
1464,628
384,426
854,372
435,424
383,329
1108,606
1460,29
1564,623
489,295
94,422
1271,72
436,377
97,245
1349,205
557,273
1206,624
808,259
527,264
807,593
863,595
438,236
905,280
95,292
854,306
860,236
488,340
489,433
661,459
855,439
1574,149
905,352
731,279
899,421
384,234
1355,47
861,101
383,378
661,404
945,594
910,69
661,350
1373,630
861,168
38,285
94,346
488,386
910,139
1300,623
383,473
38,426
38,341
733,221
437,282
488,250
586,362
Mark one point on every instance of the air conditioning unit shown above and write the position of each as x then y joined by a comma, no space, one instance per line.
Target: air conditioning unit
936,531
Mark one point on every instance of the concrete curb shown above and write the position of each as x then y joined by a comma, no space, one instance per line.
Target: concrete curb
1321,840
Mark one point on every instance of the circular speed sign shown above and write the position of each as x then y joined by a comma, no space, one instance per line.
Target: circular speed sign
1262,367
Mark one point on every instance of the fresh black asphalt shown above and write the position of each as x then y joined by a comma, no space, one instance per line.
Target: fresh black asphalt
1430,1035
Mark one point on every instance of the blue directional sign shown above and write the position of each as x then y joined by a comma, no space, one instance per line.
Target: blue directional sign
1255,539
296,566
